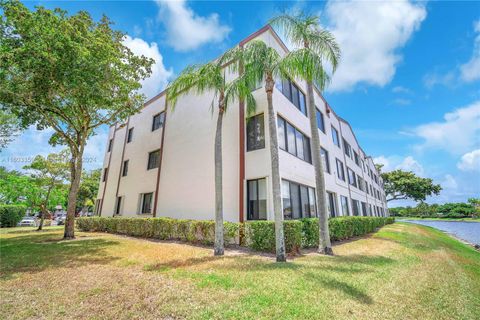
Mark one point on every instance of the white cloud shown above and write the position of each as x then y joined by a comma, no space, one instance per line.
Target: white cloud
449,183
402,102
408,163
470,161
432,79
160,75
470,71
458,133
186,30
400,89
370,35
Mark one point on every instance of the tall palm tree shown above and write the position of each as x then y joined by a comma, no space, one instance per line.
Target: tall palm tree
263,63
210,77
307,63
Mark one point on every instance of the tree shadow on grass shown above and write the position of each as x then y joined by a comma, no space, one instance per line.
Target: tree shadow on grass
349,290
37,252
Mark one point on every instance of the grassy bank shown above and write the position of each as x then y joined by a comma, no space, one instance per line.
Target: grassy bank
438,219
403,271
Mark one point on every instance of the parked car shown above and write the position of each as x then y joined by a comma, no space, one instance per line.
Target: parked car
27,222
60,219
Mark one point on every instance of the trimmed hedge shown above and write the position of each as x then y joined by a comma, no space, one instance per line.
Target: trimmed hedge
258,235
10,215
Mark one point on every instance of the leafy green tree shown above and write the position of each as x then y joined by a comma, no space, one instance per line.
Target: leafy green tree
475,202
210,77
317,47
9,128
16,188
400,185
69,73
49,174
88,190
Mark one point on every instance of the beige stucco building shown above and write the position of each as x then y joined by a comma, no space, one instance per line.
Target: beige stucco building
160,162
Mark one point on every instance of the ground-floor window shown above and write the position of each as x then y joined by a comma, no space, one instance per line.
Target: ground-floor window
147,202
364,209
118,205
98,203
344,204
356,207
257,199
332,204
298,201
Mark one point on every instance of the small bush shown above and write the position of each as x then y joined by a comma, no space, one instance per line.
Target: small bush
10,215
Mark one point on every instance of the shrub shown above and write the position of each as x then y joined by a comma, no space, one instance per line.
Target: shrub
257,235
10,215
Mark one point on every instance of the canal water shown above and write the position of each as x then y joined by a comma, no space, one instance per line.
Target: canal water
468,231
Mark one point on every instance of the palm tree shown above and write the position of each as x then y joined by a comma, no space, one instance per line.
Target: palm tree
263,63
200,79
307,63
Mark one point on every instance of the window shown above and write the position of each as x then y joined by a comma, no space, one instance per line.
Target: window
371,210
340,170
293,141
105,173
371,191
147,202
364,209
298,200
130,135
158,121
344,203
356,207
335,138
110,145
98,204
347,148
332,207
355,157
257,199
361,182
153,160
293,93
325,160
352,179
255,133
118,205
320,121
125,168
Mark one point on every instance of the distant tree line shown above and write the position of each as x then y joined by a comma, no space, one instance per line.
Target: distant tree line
470,209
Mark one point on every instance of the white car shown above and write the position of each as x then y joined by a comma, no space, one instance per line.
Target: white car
27,222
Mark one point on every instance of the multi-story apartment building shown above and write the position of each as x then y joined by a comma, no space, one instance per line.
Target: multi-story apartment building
160,162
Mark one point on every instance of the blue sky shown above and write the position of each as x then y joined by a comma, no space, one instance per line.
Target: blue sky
408,82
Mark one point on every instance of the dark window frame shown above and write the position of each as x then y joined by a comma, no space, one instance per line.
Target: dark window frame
125,168
105,174
157,124
252,215
320,121
144,206
252,123
130,135
342,175
335,137
353,177
306,143
150,164
300,203
110,145
118,205
288,88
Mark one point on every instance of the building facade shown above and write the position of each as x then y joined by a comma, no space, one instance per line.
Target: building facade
160,162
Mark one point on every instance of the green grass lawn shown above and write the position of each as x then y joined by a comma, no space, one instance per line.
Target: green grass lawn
403,271
439,219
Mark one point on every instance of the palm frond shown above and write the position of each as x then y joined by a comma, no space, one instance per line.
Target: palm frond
305,64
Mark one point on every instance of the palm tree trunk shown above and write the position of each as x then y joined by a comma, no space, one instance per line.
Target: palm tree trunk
277,200
218,247
324,244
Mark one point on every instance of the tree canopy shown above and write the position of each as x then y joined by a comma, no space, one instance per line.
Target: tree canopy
69,73
401,185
